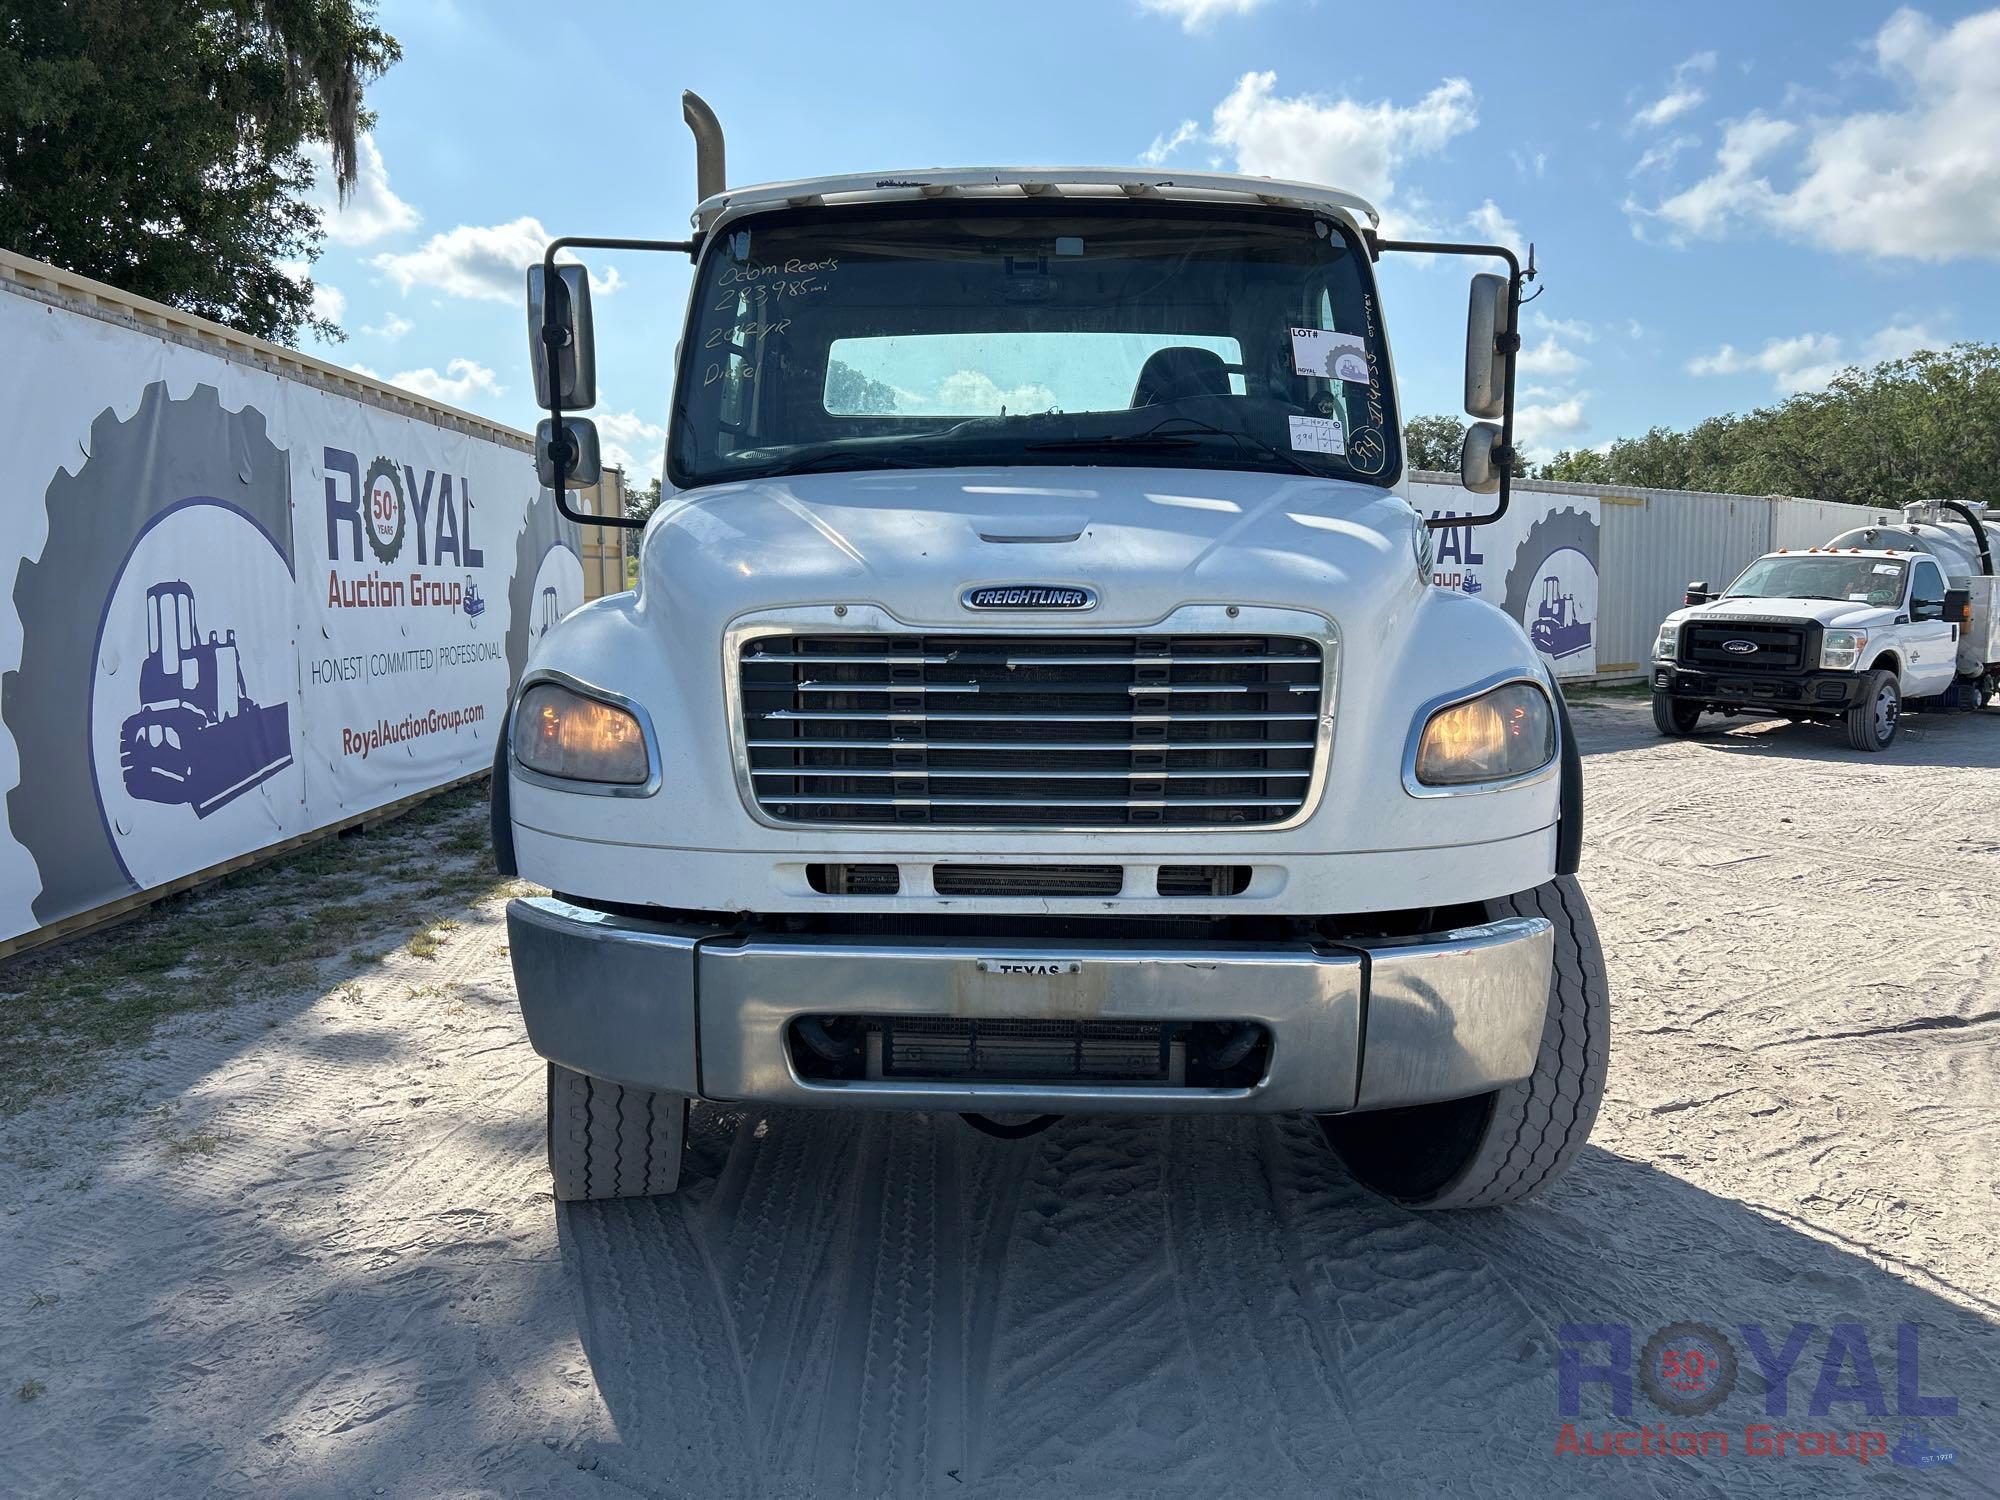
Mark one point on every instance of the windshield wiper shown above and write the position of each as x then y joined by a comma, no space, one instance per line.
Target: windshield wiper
831,459
1175,432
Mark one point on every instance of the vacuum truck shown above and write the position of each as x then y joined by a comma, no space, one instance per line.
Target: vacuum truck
1884,618
1033,700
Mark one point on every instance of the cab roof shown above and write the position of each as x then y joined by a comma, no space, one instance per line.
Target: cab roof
1082,183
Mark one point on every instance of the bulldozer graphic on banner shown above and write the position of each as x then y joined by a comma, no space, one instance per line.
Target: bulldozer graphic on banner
1556,630
198,737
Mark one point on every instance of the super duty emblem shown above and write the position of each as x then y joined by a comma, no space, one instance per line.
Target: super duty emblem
1739,648
1029,966
1028,596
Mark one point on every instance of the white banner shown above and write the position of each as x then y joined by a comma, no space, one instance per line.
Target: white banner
1538,563
241,607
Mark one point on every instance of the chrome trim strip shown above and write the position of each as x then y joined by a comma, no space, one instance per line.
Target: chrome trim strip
1188,619
945,773
844,716
577,685
1437,705
1122,749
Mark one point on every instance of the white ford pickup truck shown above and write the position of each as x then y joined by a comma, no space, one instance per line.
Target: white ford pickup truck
1032,701
1881,618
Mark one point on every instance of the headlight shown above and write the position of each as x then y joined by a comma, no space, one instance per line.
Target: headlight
1498,735
1668,644
1841,649
565,734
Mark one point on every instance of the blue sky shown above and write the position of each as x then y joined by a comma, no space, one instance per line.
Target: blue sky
1728,202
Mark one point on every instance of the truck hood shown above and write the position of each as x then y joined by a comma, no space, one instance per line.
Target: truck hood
1834,613
1147,540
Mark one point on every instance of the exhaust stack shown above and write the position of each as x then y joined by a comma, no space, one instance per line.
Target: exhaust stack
709,174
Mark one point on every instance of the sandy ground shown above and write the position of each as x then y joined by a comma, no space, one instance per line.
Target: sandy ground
314,1254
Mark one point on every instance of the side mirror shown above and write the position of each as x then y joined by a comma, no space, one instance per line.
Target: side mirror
1958,606
1488,321
1927,609
1479,463
585,460
559,311
1697,593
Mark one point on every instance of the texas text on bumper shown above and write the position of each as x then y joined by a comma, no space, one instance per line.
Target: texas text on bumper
1126,1025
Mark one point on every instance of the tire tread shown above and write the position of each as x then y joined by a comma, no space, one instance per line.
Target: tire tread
610,1141
1539,1124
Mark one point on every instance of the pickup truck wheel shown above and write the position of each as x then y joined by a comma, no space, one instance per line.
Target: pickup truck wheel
1675,716
1501,1147
1878,709
609,1141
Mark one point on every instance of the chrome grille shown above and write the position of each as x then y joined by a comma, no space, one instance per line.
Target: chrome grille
1184,731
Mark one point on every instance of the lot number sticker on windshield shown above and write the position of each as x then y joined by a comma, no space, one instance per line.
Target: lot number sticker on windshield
1318,435
1326,355
1889,568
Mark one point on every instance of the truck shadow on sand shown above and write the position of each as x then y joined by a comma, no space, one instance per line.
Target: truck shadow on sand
892,1304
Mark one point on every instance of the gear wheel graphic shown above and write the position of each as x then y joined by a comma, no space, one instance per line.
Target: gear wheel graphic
165,453
388,551
541,529
1572,529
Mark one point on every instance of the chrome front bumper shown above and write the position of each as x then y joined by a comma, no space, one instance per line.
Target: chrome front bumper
694,1010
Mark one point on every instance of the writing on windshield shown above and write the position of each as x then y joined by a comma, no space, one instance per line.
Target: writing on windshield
954,333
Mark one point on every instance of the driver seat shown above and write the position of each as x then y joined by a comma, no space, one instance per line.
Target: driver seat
1178,372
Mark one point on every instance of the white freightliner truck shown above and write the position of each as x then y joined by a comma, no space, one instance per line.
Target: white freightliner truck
1883,617
1032,701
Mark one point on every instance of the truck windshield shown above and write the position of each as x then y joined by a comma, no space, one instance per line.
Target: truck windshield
967,333
1859,580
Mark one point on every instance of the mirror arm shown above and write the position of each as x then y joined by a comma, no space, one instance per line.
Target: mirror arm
1508,345
562,452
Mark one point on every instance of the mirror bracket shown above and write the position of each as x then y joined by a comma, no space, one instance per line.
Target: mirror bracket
555,337
1507,345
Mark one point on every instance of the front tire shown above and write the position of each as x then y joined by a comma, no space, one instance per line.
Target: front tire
1501,1147
609,1141
1675,716
1877,712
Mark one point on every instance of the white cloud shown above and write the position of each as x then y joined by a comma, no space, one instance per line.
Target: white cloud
1549,357
372,211
389,329
1921,181
1492,227
1569,328
1683,94
1809,361
633,444
463,380
1165,145
328,302
1195,15
1529,164
1342,142
1898,340
486,263
1732,188
976,391
1536,423
1661,155
365,370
